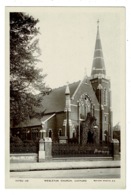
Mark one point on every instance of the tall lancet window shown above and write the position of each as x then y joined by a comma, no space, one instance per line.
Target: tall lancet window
105,97
85,106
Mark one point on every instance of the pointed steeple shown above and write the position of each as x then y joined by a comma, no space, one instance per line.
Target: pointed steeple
98,66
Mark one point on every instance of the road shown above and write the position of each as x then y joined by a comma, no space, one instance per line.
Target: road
77,173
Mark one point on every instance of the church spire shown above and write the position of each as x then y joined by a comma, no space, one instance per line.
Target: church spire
98,66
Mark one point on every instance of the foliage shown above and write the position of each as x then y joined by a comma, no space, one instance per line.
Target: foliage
16,140
25,77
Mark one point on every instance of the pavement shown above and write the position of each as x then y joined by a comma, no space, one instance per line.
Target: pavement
65,164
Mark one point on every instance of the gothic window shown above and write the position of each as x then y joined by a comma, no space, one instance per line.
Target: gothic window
105,118
105,97
50,132
85,106
60,132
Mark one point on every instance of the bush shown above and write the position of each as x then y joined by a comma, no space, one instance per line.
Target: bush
29,143
16,140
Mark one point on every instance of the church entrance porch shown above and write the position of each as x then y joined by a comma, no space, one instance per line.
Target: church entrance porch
89,131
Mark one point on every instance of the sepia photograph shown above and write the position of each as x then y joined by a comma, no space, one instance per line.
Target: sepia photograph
65,90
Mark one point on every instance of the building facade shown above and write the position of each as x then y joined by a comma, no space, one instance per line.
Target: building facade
79,111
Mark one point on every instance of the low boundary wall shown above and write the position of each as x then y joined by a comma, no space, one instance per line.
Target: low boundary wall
24,157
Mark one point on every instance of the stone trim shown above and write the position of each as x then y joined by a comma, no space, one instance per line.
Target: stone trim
98,57
77,89
98,49
44,121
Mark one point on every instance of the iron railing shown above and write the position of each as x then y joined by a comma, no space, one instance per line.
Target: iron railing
77,150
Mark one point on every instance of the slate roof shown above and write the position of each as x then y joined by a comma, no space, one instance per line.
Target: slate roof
35,121
55,101
28,123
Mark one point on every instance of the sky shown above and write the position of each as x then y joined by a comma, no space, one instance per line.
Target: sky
67,43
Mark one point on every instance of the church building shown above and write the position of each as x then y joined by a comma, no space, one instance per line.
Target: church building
79,111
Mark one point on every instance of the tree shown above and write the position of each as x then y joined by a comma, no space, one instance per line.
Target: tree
25,77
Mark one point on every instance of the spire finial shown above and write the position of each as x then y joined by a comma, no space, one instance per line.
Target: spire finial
98,24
